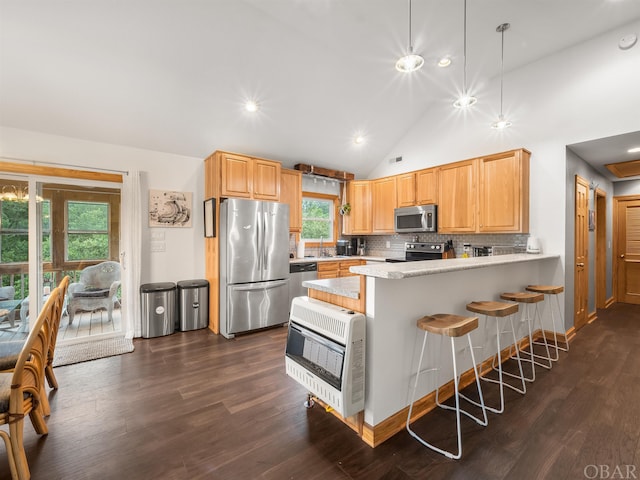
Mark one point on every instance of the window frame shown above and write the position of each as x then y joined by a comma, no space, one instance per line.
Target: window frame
336,201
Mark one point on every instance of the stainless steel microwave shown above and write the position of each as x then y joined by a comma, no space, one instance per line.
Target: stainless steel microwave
423,218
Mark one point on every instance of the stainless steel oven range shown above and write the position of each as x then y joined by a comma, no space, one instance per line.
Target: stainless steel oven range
418,251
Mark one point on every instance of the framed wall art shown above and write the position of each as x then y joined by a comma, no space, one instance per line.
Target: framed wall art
170,209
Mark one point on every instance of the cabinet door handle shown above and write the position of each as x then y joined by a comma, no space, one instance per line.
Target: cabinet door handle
580,264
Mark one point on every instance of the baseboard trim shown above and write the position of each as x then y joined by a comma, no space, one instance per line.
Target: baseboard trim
610,301
592,317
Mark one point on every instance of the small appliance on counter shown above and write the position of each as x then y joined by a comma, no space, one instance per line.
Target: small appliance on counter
343,247
533,245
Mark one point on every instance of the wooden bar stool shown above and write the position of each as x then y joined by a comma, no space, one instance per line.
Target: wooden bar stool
527,299
500,310
451,326
555,291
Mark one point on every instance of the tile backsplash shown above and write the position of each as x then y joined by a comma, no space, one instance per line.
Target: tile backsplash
393,245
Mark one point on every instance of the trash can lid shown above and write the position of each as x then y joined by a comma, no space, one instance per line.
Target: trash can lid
193,283
157,287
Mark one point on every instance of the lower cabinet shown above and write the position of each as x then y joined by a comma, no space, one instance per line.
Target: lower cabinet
335,269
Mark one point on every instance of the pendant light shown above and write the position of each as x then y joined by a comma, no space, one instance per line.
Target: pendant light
501,122
465,99
411,61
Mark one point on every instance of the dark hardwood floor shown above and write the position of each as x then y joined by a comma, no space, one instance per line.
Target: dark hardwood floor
196,406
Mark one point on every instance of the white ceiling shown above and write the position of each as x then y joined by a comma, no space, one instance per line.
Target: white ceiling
172,75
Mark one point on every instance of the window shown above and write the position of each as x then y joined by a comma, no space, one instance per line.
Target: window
87,231
318,217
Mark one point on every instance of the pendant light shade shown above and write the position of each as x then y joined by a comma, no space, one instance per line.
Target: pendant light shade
411,61
465,100
501,122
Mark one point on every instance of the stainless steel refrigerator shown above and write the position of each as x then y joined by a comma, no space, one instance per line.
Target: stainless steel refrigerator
254,265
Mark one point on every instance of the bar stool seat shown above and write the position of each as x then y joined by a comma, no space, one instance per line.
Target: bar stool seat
531,298
490,308
451,326
548,291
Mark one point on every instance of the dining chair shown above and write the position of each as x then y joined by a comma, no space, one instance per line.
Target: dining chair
57,315
21,392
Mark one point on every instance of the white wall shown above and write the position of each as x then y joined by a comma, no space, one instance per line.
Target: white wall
583,93
184,255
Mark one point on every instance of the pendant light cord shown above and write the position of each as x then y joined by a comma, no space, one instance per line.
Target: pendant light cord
464,52
410,44
501,69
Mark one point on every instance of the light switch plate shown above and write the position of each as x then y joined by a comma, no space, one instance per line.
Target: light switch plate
158,247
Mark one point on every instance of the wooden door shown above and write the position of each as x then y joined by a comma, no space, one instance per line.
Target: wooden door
291,193
236,173
384,204
427,187
628,251
581,272
358,220
266,180
503,195
406,186
457,193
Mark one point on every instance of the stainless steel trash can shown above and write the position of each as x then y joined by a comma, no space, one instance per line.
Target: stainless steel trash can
193,304
158,305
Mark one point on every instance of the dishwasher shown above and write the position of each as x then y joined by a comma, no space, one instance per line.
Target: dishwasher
300,272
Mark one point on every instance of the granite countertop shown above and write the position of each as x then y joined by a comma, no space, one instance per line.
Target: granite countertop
396,271
344,286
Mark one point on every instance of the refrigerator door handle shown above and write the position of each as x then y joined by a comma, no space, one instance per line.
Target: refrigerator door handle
259,242
264,241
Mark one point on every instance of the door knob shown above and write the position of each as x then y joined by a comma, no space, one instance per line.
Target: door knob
580,264
622,255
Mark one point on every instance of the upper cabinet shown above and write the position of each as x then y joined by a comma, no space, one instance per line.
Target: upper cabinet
246,177
358,220
291,193
503,195
457,204
384,193
406,186
426,186
485,195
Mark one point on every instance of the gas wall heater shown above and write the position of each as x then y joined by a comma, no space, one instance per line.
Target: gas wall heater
326,353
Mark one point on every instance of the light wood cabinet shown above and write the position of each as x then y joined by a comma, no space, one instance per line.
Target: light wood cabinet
503,194
236,175
358,221
426,186
291,193
335,269
457,197
384,202
406,188
246,177
328,270
344,265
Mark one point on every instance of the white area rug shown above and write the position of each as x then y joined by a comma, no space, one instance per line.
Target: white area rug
91,350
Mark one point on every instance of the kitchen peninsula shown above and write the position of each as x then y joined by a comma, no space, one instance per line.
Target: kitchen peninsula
395,295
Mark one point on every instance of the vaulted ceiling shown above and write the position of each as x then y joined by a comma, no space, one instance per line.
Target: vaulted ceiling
173,75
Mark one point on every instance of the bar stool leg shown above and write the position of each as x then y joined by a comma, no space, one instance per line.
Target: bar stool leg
555,345
501,373
457,395
532,355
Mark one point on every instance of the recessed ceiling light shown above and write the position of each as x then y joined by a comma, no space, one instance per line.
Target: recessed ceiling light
358,139
444,62
251,106
627,41
634,150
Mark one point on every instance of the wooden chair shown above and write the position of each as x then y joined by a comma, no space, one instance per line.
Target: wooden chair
21,392
58,309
